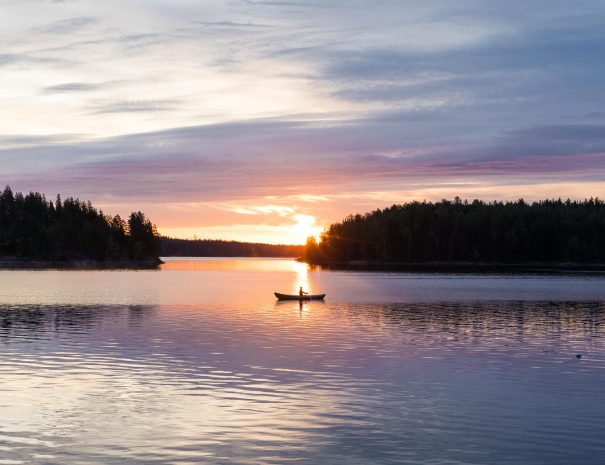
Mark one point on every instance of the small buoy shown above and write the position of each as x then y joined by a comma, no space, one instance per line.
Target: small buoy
578,355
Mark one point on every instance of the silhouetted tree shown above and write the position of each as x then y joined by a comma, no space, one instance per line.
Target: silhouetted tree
504,232
218,248
144,239
32,227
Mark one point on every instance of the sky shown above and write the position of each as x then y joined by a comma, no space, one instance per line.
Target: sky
267,120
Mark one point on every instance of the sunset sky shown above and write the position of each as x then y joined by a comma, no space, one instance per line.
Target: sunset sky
267,120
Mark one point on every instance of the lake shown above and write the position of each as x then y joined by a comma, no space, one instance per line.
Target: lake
197,363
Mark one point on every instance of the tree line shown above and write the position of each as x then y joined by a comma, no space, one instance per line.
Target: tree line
32,227
219,248
461,231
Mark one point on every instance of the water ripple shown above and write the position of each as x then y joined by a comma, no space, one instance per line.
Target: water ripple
253,382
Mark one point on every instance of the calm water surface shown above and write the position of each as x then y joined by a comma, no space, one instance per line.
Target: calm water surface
198,364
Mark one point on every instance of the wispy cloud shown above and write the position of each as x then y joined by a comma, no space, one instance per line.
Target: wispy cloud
294,103
129,106
248,160
72,87
289,4
66,26
264,209
232,25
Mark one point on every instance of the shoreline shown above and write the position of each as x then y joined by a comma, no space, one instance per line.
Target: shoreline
28,264
532,267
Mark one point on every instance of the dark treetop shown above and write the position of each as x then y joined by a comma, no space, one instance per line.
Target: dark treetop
217,248
512,232
34,228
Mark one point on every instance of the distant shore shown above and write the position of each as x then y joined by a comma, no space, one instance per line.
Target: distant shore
460,266
74,264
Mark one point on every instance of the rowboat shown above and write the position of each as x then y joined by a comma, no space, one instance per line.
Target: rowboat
299,297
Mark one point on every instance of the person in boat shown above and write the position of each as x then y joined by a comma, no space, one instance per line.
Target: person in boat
301,292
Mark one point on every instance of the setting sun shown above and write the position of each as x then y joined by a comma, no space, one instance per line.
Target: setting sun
304,227
266,226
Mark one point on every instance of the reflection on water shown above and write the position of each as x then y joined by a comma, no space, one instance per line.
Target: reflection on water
232,264
250,265
234,379
397,383
228,281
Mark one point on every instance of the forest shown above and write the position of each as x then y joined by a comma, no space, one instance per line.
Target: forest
219,248
34,228
552,231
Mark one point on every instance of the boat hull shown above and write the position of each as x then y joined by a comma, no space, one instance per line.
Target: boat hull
299,297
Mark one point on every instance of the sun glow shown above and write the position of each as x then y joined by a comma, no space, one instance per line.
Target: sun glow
272,227
304,227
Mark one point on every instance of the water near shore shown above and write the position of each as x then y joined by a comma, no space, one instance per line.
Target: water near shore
197,363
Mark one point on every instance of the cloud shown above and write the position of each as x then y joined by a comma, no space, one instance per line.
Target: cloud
286,158
17,141
529,66
229,101
232,25
130,106
288,4
65,26
72,87
27,60
264,209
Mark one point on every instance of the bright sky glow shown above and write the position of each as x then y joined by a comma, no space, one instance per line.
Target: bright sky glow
267,120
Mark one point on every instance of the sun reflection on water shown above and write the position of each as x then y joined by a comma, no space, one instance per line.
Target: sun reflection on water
302,277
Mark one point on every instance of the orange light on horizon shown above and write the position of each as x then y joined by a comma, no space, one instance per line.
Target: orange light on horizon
306,225
295,233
